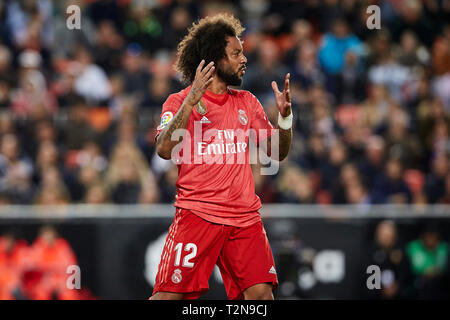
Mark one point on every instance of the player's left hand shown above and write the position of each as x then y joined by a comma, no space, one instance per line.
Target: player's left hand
283,99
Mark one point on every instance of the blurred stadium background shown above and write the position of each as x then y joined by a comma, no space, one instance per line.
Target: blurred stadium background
367,180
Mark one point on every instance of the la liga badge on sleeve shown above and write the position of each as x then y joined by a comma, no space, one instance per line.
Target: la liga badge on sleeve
165,119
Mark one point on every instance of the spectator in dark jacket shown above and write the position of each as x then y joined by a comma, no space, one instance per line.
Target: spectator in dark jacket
390,187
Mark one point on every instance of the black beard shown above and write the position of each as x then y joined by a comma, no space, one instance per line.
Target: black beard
231,79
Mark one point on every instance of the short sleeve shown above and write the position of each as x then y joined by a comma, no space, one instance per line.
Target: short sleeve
260,122
169,109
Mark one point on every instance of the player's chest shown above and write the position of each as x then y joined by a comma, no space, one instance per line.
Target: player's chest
211,116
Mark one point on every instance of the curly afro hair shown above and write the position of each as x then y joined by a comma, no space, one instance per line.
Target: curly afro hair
206,40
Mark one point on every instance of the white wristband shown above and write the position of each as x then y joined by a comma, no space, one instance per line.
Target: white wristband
285,123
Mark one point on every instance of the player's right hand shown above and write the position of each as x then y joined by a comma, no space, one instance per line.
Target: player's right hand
203,77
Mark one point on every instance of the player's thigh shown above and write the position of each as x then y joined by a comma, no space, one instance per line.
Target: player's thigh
189,255
246,260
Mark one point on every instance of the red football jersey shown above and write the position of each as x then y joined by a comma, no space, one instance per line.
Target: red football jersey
215,180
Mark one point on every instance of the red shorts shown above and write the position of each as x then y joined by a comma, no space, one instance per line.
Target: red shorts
194,246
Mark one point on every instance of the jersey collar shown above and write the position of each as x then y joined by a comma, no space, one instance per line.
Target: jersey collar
219,99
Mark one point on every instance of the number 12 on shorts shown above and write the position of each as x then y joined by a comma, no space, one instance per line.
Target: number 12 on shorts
188,247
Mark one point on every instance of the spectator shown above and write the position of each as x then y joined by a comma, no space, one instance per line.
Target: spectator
351,80
134,73
435,180
429,116
33,97
14,261
387,71
179,21
355,137
375,109
268,68
446,198
306,71
390,187
295,186
108,48
67,42
64,86
47,157
84,178
125,130
372,165
117,84
428,257
167,184
322,121
441,137
52,255
52,190
157,92
96,194
142,27
15,170
37,133
357,194
92,155
410,17
301,33
418,103
349,176
379,47
149,192
30,23
393,263
441,52
4,199
78,129
91,81
412,53
333,49
336,159
400,143
7,124
127,171
6,77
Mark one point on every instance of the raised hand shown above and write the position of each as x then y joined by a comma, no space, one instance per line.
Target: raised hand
283,99
203,77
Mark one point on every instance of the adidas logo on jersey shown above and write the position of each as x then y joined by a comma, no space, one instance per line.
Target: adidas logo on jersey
205,120
272,270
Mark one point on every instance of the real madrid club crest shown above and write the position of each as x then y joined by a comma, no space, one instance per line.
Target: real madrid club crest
176,276
242,117
201,107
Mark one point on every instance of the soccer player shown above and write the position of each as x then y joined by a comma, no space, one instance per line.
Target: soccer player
217,219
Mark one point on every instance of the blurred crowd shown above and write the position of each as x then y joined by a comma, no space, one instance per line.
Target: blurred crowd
397,262
417,269
40,270
79,108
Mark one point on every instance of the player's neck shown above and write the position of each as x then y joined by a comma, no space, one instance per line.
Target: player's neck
217,86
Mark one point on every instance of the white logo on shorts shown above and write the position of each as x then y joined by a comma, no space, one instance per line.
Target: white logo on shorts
176,277
272,270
